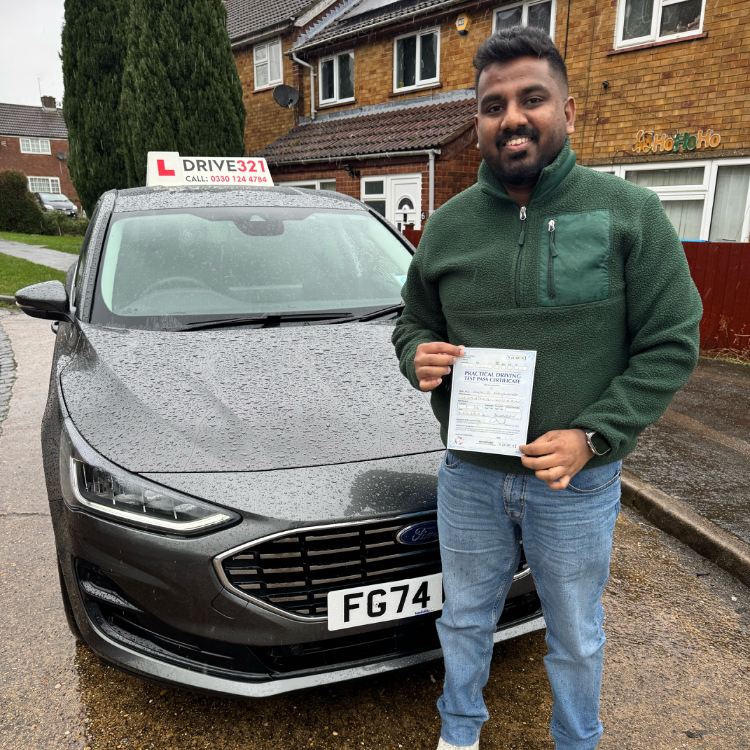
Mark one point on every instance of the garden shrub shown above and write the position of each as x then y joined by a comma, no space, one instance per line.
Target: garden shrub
19,211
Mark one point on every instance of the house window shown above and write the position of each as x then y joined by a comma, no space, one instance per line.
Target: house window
416,60
44,184
537,13
311,184
35,146
644,21
267,62
337,78
704,200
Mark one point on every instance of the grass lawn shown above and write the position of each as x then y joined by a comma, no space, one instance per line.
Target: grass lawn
16,273
64,244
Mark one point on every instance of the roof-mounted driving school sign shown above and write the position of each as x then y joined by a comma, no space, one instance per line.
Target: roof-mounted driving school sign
168,168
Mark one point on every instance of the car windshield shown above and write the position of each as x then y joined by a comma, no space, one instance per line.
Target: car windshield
52,197
164,269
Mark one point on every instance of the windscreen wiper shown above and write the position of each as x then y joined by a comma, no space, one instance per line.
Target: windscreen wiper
380,313
264,320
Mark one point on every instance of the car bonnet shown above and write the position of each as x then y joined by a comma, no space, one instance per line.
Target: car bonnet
244,400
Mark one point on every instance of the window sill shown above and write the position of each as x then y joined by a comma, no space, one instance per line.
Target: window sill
691,37
327,105
412,89
270,87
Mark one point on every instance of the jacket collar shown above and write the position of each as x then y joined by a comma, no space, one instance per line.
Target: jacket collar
552,175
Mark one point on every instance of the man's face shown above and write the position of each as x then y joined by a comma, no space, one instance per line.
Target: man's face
524,116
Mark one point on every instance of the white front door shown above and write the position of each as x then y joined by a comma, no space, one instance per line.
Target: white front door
398,197
406,201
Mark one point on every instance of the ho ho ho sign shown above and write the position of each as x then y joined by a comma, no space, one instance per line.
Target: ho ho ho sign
168,168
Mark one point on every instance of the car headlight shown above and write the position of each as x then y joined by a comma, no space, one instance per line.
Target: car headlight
48,207
109,491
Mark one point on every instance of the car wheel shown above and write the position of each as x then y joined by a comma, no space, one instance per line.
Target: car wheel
66,606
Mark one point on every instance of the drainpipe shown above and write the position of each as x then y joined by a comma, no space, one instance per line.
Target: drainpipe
312,83
431,158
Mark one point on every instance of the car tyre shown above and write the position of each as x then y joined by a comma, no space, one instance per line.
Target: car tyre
72,625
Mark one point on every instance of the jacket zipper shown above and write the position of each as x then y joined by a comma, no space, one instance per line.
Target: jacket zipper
521,239
551,265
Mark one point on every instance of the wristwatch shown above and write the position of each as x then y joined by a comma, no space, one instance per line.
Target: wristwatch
599,446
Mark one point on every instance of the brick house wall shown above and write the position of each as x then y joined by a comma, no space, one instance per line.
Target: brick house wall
38,165
265,120
691,84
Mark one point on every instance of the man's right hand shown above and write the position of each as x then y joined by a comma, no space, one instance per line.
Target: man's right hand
432,361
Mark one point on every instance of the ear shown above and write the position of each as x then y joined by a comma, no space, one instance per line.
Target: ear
570,115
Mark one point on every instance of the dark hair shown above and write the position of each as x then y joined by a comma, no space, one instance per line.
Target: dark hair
519,41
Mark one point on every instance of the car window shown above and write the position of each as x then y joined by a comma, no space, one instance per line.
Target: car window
200,263
77,285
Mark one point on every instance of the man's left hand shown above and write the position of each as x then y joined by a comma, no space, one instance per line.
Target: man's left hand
557,456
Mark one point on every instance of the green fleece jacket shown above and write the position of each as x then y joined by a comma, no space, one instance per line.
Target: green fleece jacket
590,274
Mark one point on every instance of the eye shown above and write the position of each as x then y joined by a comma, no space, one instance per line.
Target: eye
534,100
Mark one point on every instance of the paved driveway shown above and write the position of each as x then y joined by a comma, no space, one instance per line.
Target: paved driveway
677,665
42,255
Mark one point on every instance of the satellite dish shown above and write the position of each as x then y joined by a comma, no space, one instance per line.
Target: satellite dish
62,156
285,96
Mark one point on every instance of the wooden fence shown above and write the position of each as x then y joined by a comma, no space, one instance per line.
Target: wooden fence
721,271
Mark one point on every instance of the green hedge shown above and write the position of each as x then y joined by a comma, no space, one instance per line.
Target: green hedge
20,212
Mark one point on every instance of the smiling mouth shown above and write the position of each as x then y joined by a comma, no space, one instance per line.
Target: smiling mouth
517,142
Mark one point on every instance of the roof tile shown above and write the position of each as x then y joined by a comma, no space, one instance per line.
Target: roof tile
37,122
246,17
392,130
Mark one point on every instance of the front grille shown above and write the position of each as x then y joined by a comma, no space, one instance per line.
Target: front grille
293,572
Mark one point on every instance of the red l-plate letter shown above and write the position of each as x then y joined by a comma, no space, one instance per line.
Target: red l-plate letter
163,171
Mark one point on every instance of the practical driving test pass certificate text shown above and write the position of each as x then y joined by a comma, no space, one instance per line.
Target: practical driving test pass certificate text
490,400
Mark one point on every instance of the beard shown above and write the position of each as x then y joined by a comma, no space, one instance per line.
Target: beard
522,169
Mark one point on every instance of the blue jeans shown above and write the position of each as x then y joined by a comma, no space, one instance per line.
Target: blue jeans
567,536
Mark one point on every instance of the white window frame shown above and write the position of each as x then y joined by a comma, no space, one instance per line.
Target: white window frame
51,180
525,16
706,191
42,144
267,45
307,183
336,100
419,84
653,37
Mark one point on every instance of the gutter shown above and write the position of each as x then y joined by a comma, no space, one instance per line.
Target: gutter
379,24
262,34
430,153
312,80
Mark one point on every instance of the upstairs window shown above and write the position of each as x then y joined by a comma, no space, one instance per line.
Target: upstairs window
267,63
644,21
416,60
539,14
337,78
44,184
35,146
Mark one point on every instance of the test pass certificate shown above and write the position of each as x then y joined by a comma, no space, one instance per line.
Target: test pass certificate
490,400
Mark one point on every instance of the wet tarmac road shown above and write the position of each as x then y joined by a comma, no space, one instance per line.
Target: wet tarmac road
699,451
677,665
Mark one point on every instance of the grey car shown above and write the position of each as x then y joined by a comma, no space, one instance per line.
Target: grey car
57,202
231,451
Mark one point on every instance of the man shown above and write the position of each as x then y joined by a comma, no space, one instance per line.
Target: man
586,269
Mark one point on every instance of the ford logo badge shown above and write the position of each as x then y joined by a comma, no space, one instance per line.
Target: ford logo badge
418,533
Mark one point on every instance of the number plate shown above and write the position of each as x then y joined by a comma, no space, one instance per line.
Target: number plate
365,605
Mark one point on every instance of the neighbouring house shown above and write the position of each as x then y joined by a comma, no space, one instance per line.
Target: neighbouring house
387,114
34,140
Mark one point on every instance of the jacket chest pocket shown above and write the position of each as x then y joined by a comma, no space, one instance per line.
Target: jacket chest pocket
574,254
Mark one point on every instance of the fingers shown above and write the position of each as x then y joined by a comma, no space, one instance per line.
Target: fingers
440,347
543,445
551,475
431,372
430,385
543,462
437,360
559,484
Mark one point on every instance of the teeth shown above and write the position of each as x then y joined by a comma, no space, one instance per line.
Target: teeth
517,141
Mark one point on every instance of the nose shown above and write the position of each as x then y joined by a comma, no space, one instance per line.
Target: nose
514,117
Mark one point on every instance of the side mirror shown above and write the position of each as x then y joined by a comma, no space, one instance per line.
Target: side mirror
47,300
